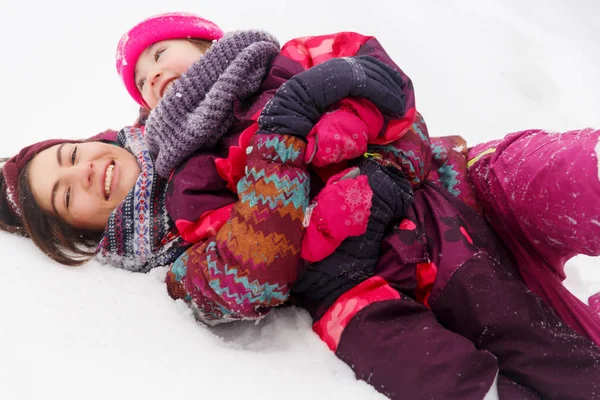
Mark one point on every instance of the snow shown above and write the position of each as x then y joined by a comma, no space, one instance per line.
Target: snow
481,68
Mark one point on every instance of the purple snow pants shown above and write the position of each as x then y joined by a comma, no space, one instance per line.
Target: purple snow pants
479,322
541,193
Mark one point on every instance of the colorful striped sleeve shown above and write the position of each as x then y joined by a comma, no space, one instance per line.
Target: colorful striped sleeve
249,266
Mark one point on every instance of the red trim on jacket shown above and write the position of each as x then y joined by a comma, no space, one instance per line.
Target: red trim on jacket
332,324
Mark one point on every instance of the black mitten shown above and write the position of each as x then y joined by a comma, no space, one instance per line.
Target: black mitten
355,259
299,103
392,192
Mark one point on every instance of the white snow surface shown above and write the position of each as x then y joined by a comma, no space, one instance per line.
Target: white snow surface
481,68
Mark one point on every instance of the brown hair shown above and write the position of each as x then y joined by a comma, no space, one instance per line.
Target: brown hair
51,235
202,44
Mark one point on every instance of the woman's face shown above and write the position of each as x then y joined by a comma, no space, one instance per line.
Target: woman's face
161,64
82,183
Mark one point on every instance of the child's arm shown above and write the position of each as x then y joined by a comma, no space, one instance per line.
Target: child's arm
309,51
412,151
404,139
249,265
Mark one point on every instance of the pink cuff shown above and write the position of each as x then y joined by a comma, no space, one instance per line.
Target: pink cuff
332,324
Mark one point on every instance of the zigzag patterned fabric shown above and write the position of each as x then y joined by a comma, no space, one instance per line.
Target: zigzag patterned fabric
412,152
249,266
442,160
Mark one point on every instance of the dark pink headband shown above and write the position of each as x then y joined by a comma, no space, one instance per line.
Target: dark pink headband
13,167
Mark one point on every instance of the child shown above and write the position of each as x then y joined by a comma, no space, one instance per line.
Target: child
195,123
149,59
325,288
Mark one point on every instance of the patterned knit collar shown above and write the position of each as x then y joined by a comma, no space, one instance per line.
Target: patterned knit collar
139,234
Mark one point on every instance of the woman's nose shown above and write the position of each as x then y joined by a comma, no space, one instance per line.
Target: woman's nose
82,174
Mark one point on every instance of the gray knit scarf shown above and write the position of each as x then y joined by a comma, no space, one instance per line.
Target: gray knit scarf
197,111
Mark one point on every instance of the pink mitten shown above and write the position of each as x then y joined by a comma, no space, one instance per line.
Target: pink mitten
340,210
343,133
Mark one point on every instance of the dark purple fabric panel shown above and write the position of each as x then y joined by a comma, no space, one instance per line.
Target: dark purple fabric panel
445,232
493,308
195,188
511,390
399,347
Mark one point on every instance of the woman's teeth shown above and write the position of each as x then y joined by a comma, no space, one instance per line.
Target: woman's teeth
108,179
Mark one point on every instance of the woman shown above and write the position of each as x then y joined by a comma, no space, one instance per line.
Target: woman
133,239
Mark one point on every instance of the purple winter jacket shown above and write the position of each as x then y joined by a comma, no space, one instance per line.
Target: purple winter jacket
229,284
442,254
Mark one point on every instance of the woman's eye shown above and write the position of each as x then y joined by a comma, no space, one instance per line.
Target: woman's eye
74,155
68,198
158,54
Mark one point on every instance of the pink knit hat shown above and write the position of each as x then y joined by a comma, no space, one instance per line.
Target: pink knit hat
176,25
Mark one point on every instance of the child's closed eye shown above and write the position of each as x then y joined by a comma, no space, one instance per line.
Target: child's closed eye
158,53
141,83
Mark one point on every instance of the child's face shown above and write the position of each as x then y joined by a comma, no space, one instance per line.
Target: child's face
82,182
161,64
